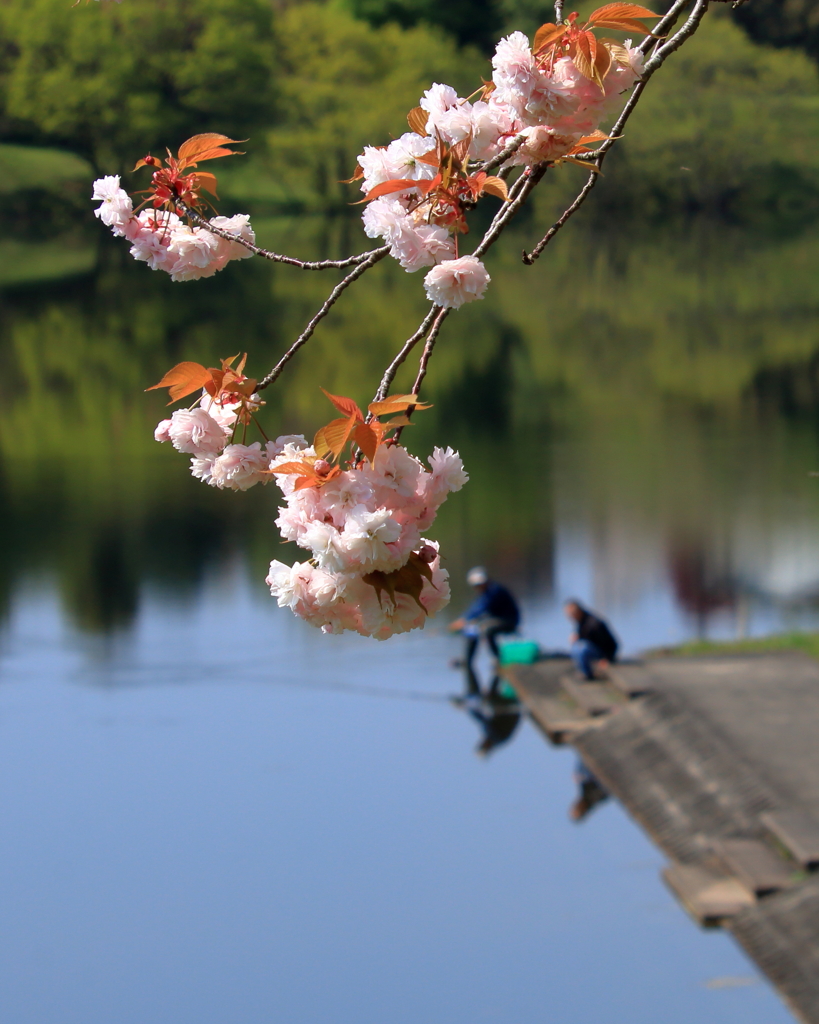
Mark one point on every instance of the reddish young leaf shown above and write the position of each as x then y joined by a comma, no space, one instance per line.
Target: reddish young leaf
618,11
302,468
547,35
585,52
183,379
205,147
359,174
367,437
396,403
417,120
618,52
334,436
345,405
386,188
495,187
398,421
207,181
602,64
145,162
624,25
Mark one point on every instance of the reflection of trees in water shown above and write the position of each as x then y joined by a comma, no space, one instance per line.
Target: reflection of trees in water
594,402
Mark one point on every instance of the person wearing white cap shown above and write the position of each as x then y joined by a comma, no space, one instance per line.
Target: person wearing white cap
493,613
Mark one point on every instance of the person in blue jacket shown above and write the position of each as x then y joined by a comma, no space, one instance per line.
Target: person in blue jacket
493,613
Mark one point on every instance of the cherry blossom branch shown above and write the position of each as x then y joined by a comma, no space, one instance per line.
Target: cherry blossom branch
519,193
374,257
350,261
409,345
503,156
428,347
558,11
651,66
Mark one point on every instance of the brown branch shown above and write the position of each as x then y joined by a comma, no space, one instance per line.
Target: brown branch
503,156
440,313
409,345
651,66
526,183
332,298
350,261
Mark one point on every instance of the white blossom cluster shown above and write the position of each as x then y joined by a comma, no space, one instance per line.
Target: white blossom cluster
164,241
369,519
205,433
554,108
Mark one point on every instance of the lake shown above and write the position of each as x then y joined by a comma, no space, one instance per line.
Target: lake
214,813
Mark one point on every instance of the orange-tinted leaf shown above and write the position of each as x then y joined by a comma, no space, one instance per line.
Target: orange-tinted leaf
334,436
398,421
417,120
624,25
602,63
302,468
495,187
583,59
183,379
367,438
546,35
206,147
596,136
396,403
207,181
144,163
617,12
345,405
387,188
431,158
618,52
359,174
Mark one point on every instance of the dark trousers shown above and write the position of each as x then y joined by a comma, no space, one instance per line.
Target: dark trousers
489,629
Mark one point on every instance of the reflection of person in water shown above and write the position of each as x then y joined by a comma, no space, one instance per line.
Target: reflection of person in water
493,612
497,711
591,792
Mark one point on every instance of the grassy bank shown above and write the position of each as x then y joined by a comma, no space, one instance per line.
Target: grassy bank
808,643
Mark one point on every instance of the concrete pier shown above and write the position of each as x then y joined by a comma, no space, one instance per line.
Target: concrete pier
717,758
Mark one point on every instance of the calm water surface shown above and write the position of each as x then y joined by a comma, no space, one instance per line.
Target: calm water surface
215,815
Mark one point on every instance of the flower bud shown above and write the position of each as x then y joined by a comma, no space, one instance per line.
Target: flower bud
322,467
427,553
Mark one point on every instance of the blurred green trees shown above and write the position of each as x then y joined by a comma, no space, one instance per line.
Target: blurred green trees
113,81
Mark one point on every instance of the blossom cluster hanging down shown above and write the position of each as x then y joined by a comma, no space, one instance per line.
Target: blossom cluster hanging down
158,236
371,569
355,499
552,96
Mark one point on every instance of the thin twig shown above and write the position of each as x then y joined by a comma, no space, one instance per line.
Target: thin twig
652,65
440,315
663,25
409,345
508,211
331,300
428,347
558,11
504,154
350,261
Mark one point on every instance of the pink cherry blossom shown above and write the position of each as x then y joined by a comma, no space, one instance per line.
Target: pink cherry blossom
195,432
454,282
116,208
162,431
240,466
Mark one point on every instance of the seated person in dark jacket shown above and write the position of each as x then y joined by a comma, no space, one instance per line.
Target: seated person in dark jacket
592,642
493,612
